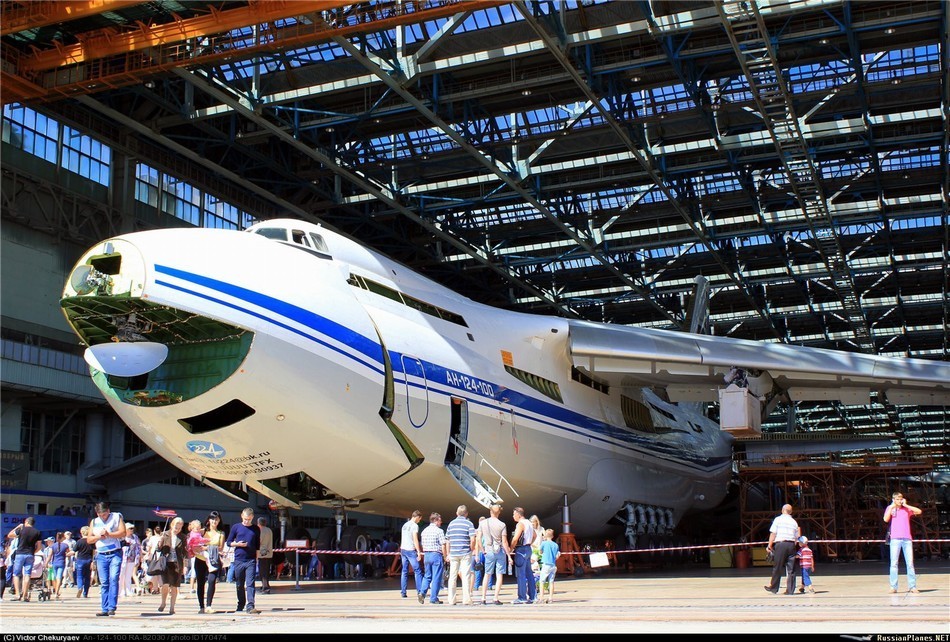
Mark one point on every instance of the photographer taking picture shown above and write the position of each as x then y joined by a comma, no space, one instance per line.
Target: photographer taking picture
898,515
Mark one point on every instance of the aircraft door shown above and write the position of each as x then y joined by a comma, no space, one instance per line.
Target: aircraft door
458,432
417,406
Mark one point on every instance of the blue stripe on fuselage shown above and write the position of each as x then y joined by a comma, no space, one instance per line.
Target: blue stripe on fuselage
551,413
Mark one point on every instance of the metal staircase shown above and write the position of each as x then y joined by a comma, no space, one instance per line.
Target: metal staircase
468,471
750,40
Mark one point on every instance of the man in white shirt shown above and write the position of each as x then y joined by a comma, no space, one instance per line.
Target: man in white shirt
411,552
106,531
783,535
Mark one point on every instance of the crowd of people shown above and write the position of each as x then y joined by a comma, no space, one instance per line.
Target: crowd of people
110,554
478,557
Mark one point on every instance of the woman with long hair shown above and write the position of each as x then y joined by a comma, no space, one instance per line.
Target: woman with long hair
211,558
172,546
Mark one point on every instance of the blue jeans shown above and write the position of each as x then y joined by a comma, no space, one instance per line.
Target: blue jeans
410,559
806,577
435,569
244,578
109,565
527,589
83,575
907,546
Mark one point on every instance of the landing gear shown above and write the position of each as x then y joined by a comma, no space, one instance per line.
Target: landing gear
356,538
343,538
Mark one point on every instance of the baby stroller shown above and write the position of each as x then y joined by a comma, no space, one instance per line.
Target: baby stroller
38,578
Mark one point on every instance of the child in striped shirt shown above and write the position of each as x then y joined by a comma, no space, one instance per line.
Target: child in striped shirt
807,562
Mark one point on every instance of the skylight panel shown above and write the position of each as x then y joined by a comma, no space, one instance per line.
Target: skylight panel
902,63
819,77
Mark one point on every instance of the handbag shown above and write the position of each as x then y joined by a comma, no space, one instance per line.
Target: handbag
214,560
156,564
478,566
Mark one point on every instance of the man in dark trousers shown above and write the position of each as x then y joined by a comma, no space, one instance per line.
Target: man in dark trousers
783,535
29,543
265,554
245,540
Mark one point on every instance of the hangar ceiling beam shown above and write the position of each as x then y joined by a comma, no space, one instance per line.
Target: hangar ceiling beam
41,13
945,163
754,51
112,42
84,68
647,162
506,177
384,195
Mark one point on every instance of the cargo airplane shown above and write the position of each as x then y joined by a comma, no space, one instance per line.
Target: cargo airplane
293,361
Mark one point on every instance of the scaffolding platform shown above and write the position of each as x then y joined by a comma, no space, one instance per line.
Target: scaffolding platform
835,501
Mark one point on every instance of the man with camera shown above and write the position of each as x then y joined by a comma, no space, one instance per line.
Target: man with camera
898,515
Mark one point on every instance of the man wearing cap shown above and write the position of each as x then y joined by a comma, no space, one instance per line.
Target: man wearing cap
69,575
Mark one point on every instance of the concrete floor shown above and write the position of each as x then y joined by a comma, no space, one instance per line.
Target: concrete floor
850,598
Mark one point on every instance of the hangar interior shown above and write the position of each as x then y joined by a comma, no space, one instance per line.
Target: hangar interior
581,158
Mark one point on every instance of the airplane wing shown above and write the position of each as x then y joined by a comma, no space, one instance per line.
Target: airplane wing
693,367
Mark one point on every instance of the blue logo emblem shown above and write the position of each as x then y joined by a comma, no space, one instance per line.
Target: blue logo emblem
207,449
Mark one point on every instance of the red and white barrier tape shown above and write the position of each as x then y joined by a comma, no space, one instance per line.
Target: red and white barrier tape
612,551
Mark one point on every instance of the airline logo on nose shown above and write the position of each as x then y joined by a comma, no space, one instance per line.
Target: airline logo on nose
207,449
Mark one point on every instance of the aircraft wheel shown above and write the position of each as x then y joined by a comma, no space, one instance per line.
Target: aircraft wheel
356,538
326,540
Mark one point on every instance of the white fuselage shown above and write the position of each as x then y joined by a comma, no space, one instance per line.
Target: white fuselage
315,377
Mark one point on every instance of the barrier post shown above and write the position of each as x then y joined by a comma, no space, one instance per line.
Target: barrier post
296,544
297,570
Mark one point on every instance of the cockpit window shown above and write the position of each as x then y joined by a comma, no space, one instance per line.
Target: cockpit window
299,237
319,243
311,242
276,233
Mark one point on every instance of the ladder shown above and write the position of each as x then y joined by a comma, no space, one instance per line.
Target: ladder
469,471
755,51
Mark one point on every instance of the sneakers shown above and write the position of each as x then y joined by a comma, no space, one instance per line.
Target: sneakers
811,590
769,589
422,598
913,590
200,611
252,611
521,602
436,601
102,614
209,610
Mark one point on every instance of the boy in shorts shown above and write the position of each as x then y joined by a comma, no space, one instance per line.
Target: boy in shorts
549,554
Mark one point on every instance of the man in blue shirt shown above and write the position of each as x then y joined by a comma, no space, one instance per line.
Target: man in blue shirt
245,540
